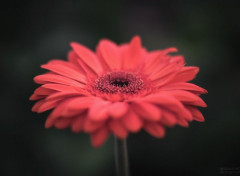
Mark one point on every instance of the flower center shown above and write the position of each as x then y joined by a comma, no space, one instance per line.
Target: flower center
120,81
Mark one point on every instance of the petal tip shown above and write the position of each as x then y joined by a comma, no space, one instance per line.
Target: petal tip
73,44
136,38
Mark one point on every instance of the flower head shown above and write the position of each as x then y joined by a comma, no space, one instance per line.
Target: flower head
118,89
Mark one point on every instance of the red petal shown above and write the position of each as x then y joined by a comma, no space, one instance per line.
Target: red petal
69,113
110,52
49,122
163,72
170,50
132,54
62,123
43,91
169,118
154,129
99,137
59,110
152,61
66,71
36,97
91,126
87,56
55,78
81,103
65,63
156,60
186,74
183,122
187,97
47,105
58,87
62,95
99,110
37,105
132,122
118,109
169,102
197,115
185,86
147,110
73,58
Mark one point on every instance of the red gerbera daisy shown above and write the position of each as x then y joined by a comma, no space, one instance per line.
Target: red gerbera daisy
118,89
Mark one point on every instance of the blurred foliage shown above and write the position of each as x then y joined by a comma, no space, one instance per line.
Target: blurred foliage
206,33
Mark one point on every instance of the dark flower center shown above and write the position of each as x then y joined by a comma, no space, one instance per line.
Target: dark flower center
122,82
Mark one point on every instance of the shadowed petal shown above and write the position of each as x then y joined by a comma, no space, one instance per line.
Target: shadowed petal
169,118
62,123
91,126
197,115
118,129
154,129
78,123
99,137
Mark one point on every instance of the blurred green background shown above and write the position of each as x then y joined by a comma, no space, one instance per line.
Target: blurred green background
206,33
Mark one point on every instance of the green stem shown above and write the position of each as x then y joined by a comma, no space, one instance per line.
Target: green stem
121,157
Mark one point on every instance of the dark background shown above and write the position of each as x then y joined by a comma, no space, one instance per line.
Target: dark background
206,32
